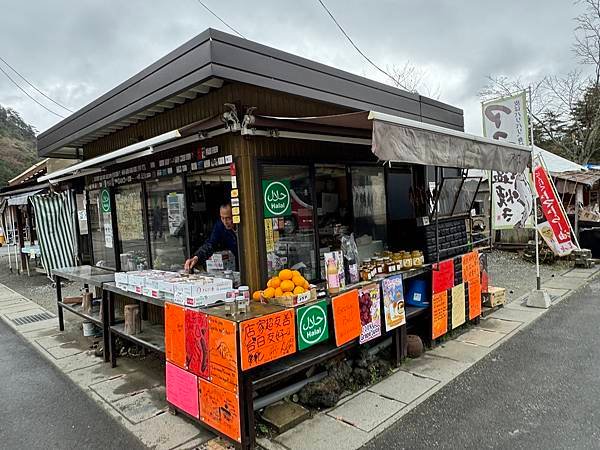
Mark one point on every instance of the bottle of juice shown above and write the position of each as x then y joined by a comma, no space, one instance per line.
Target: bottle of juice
333,282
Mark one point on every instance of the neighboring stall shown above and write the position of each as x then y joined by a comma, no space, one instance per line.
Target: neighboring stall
306,162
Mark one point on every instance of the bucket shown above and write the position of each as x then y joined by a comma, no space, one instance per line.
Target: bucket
88,328
417,293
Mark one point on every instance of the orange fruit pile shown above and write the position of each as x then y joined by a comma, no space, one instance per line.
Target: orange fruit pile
286,283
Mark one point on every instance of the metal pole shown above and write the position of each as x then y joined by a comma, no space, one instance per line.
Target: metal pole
535,216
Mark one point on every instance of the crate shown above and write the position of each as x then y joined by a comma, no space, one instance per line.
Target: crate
494,296
296,300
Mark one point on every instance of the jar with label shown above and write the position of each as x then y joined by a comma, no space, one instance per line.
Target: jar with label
241,304
417,258
380,265
230,306
389,266
407,261
244,291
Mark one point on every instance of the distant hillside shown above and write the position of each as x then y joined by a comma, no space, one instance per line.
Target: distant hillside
17,145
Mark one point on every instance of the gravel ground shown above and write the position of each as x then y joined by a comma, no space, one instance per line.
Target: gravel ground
509,270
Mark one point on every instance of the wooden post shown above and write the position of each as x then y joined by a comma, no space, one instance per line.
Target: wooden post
87,302
133,319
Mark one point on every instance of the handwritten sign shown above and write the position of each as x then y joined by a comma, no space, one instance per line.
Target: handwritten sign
196,342
222,349
346,317
439,312
220,409
182,389
312,324
267,338
472,276
442,277
369,300
175,334
458,305
393,302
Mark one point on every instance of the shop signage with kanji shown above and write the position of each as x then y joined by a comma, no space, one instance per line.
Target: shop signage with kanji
276,198
506,119
312,324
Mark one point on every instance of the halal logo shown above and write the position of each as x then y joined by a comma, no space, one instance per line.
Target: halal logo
105,200
313,324
277,198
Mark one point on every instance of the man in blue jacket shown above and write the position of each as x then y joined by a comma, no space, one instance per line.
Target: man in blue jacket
223,237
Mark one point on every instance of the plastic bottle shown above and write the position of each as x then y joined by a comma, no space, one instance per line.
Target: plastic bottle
333,282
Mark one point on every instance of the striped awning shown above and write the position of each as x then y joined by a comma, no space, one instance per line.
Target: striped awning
55,216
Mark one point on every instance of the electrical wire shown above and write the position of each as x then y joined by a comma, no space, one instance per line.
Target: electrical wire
28,95
30,84
221,20
358,49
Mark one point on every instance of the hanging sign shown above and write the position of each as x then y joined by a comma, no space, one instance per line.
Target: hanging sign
393,302
458,305
267,338
182,389
222,350
506,119
442,277
276,198
175,334
512,201
369,301
312,324
472,276
196,342
558,229
220,409
439,313
346,317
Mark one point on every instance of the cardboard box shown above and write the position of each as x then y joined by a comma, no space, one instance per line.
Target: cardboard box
121,277
296,300
494,296
200,300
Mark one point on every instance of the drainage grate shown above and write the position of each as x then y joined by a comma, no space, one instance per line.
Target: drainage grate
33,318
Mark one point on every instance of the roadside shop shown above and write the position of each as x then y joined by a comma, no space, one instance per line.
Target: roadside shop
352,225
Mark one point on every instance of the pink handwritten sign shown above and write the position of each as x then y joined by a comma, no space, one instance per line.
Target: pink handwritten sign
182,390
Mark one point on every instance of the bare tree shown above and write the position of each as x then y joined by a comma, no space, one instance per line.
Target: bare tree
413,79
570,98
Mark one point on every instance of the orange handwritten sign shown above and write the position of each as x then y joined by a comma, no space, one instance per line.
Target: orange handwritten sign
472,276
220,409
222,347
175,334
346,317
267,338
439,312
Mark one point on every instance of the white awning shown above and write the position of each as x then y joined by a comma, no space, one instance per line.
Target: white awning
22,199
408,141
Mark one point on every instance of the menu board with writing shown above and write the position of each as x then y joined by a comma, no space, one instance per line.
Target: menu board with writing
393,302
346,317
175,334
439,312
182,389
267,338
458,305
222,359
442,277
472,276
220,409
196,342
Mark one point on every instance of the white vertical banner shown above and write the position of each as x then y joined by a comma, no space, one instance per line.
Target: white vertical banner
512,197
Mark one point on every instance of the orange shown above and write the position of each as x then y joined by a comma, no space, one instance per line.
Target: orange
286,274
288,294
256,295
295,273
298,290
274,282
278,292
269,292
287,286
298,280
306,285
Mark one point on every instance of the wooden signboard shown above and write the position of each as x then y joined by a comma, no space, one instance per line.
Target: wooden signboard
472,276
439,312
265,339
222,349
442,277
220,409
182,389
458,305
196,342
175,334
346,317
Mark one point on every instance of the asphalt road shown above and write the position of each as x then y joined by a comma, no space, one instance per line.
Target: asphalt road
42,409
540,390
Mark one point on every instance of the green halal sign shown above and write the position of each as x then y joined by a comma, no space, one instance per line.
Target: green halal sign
105,200
276,198
312,324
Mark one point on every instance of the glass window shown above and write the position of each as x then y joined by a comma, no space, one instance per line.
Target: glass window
130,223
101,229
368,200
400,195
289,227
167,224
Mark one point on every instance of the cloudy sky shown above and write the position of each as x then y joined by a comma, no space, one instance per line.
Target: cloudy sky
75,50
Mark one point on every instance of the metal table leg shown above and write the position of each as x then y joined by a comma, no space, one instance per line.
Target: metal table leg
105,325
61,321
